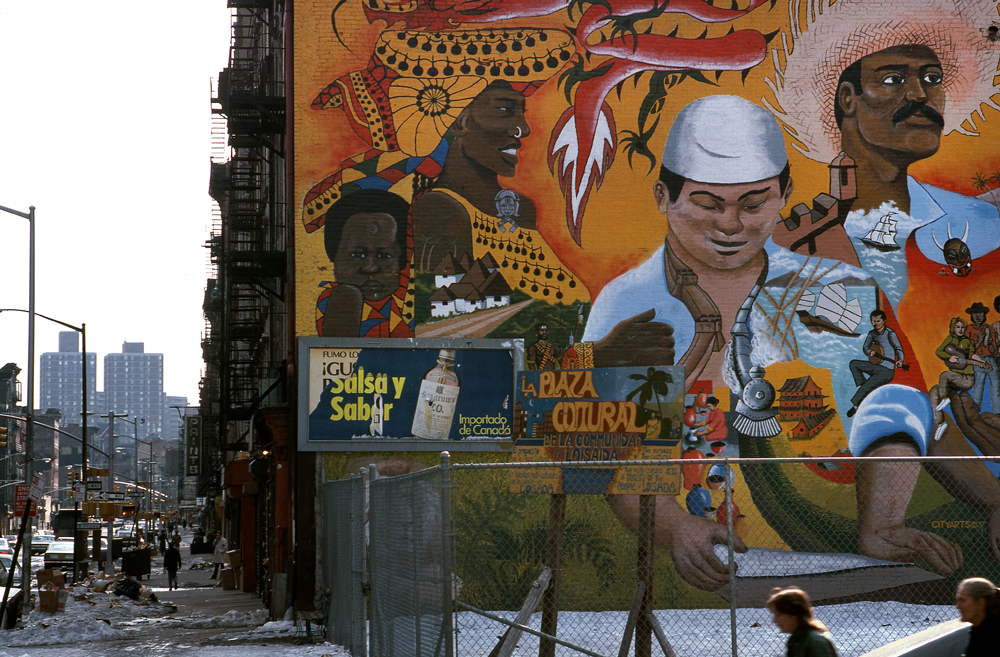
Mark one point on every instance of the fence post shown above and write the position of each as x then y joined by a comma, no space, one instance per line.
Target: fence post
730,532
446,566
359,543
375,646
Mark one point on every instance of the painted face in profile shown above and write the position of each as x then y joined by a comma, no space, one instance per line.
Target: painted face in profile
491,128
368,256
902,101
722,226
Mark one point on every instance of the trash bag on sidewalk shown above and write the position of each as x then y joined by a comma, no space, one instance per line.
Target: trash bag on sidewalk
127,587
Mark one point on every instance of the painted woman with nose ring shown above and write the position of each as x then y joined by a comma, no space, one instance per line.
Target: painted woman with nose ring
468,210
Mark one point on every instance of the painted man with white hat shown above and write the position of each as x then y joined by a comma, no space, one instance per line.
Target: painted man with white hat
884,90
723,181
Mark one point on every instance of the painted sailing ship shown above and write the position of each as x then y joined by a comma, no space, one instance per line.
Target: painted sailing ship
833,311
883,235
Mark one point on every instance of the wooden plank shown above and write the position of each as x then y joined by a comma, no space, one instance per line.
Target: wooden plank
512,636
553,560
503,639
633,618
661,637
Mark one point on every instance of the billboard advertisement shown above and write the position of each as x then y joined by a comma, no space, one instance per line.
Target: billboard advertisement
395,394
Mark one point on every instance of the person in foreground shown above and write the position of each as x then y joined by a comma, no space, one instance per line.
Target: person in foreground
979,603
793,615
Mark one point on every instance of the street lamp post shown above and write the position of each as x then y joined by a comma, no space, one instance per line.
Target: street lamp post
29,439
82,330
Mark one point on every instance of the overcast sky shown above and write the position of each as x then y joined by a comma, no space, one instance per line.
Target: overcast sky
107,132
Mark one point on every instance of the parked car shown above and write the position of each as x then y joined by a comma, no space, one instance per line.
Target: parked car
5,569
6,547
60,554
40,543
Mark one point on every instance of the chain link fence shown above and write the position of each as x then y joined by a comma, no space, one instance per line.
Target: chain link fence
344,569
461,565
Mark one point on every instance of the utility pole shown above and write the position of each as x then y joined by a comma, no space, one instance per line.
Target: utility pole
111,415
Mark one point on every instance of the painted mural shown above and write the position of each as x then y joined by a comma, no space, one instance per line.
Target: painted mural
796,202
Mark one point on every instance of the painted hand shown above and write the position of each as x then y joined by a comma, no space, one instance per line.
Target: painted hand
342,318
905,544
993,534
636,341
691,548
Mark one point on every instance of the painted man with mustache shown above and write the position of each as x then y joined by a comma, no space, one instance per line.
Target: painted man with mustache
888,109
855,84
884,92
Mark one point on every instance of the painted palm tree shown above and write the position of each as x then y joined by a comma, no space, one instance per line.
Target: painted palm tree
655,384
982,184
995,179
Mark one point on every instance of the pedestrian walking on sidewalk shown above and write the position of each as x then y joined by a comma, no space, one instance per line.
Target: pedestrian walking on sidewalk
171,562
979,602
219,557
793,615
163,541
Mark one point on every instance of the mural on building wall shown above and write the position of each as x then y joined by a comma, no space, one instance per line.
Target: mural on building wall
795,202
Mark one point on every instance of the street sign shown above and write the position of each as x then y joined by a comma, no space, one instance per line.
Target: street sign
94,485
35,492
88,526
20,499
108,495
135,494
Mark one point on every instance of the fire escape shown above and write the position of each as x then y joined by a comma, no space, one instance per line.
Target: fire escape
245,338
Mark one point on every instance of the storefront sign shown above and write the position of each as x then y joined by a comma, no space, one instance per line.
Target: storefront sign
193,465
609,416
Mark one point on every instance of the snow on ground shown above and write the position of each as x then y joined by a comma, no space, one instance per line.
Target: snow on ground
161,650
96,623
857,628
89,616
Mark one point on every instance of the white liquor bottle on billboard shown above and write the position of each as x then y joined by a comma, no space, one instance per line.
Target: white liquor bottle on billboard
437,400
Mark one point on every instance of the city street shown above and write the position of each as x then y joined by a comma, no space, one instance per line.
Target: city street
198,618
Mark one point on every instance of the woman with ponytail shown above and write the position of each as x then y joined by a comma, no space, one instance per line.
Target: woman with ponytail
978,600
793,615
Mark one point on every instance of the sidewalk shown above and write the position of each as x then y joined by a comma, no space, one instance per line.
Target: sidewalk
199,596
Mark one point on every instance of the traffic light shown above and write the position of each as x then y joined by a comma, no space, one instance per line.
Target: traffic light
3,436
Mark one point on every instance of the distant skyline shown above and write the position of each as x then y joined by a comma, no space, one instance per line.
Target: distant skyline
108,120
133,384
100,360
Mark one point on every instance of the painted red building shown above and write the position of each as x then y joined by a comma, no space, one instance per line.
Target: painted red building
800,398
